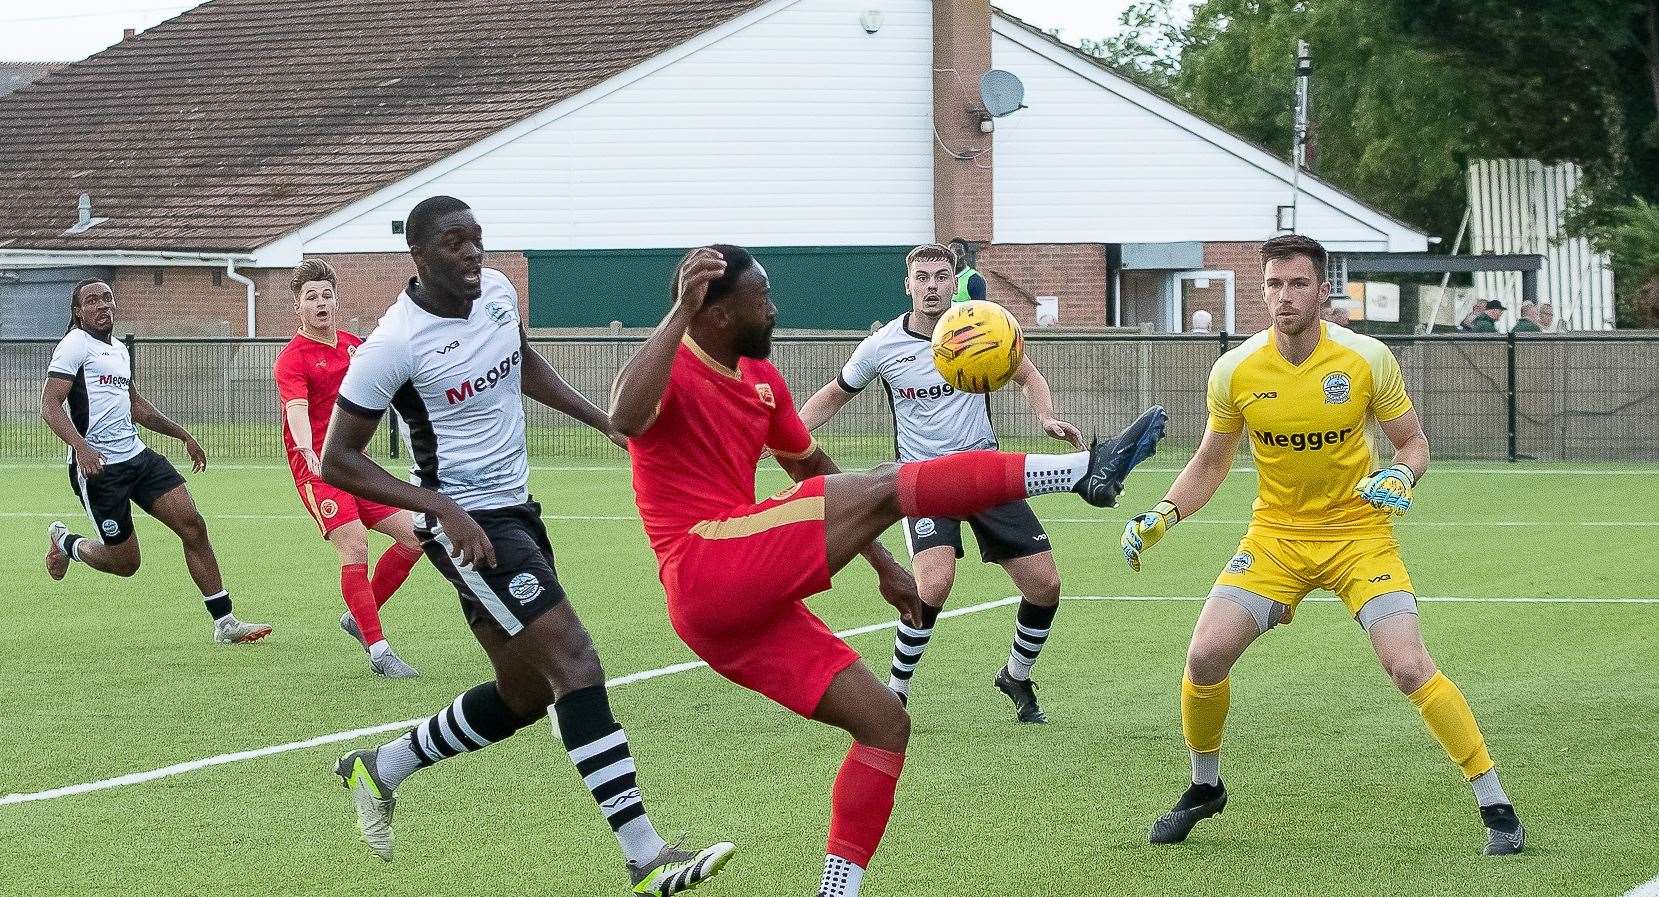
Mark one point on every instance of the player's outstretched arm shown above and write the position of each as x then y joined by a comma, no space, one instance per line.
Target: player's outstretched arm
1037,395
543,383
824,404
1193,488
145,415
346,466
644,379
57,419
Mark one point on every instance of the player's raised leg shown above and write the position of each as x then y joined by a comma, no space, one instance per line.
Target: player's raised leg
1392,624
1225,628
1038,580
177,511
862,799
118,559
935,572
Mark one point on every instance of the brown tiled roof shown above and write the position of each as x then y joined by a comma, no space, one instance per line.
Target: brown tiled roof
16,74
242,120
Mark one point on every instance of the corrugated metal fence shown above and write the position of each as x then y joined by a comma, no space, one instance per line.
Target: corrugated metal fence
1582,397
1517,206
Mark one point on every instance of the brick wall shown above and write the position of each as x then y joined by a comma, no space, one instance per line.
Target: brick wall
1015,274
961,187
187,302
1245,261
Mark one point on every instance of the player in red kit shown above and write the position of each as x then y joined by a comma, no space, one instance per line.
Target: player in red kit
308,375
700,403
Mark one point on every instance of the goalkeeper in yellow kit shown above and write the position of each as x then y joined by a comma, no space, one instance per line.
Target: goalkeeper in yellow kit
1304,389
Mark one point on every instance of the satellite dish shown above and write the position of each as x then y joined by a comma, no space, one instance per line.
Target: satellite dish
1002,92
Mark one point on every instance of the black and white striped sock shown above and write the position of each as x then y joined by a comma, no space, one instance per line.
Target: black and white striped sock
1031,628
599,748
476,720
908,647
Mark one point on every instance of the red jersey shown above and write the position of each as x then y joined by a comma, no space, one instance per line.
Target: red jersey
697,459
310,371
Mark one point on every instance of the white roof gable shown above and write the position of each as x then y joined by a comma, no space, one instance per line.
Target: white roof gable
1097,158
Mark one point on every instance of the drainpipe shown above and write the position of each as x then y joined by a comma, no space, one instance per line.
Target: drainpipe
230,272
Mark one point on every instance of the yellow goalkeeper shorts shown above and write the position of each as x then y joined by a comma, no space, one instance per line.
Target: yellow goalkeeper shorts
1286,570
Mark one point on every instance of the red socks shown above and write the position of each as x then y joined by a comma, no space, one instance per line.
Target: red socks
862,800
391,570
354,585
961,485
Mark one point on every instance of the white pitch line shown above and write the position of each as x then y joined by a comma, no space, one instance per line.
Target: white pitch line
1441,469
1426,599
334,738
1211,521
164,772
1648,889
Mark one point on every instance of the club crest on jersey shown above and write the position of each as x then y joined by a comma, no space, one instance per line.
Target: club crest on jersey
350,351
498,312
1336,388
1240,562
764,390
525,588
328,508
110,527
926,527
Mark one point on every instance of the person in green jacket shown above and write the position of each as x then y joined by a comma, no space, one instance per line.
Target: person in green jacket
969,283
1487,321
1528,322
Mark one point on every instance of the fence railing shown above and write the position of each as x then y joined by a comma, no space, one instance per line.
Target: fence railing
1551,397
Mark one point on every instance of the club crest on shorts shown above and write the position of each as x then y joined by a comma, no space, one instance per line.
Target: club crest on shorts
1336,388
525,588
498,312
328,508
110,527
926,527
1240,562
764,390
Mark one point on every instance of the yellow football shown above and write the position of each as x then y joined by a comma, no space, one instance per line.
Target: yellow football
977,346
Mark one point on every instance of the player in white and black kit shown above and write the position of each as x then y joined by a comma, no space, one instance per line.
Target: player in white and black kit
453,358
931,419
110,468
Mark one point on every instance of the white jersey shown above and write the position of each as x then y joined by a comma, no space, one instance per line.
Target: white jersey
100,400
931,418
458,386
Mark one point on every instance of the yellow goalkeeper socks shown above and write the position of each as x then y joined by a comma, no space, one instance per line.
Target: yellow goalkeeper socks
1447,714
1203,714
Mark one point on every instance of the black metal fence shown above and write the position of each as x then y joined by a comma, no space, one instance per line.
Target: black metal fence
1553,397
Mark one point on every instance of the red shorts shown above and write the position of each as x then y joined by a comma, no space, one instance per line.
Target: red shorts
333,508
735,591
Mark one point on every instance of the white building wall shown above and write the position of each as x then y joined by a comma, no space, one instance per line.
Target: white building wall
796,129
1089,163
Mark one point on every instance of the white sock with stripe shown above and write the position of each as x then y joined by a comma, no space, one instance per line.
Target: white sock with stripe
599,748
476,720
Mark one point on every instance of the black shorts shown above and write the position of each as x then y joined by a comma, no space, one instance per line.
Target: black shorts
520,587
1004,533
109,496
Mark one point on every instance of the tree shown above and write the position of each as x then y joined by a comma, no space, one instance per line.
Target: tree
1406,92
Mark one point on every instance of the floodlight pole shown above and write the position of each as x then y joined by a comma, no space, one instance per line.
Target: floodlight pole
1299,148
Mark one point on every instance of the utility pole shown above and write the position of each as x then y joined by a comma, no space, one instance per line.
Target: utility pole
1299,150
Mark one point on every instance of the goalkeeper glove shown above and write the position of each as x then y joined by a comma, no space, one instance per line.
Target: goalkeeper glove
1388,489
1144,531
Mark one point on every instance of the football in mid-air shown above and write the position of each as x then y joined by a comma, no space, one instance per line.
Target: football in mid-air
977,346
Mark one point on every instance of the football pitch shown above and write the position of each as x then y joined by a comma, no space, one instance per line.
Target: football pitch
1540,580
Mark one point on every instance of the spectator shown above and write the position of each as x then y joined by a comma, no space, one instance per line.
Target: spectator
1487,320
969,283
1528,322
1201,321
1546,317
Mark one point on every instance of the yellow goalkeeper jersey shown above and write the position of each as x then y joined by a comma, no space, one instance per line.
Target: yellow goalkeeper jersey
1307,429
